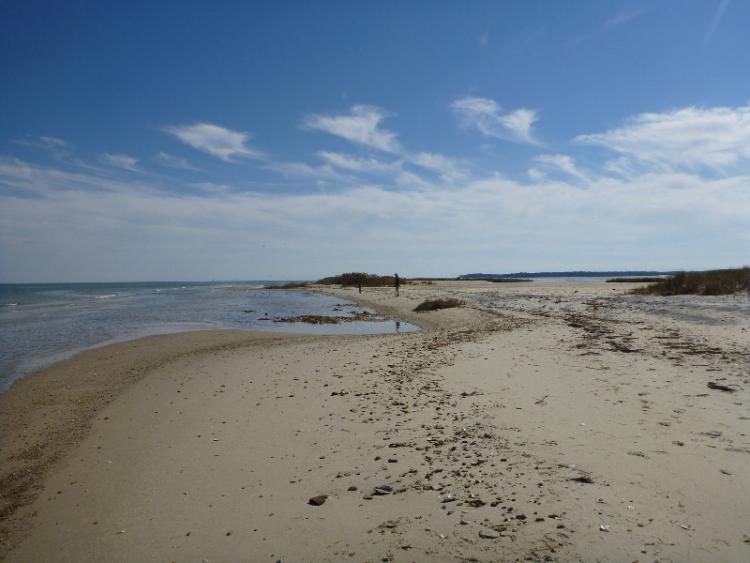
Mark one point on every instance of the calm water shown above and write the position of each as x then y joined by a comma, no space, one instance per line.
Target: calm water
44,323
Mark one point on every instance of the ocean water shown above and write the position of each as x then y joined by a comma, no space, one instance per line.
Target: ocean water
44,323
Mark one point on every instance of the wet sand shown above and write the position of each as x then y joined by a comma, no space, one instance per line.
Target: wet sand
540,421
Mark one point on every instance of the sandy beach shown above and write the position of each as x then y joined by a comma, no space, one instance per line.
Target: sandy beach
541,421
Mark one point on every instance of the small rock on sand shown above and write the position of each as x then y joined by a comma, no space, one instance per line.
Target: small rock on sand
317,500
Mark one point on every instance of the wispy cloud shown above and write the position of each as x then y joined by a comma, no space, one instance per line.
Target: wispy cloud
124,161
43,142
667,172
213,188
212,224
60,149
448,168
172,161
621,18
215,140
305,171
560,162
715,21
487,117
361,125
689,137
358,164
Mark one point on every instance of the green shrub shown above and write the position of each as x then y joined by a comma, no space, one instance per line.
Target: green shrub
356,278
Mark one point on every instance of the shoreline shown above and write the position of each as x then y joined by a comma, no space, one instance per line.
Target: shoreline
277,324
39,432
514,427
45,414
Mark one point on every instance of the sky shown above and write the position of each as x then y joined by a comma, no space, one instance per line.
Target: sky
294,140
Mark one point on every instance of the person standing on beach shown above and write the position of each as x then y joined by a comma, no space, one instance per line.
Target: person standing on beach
396,282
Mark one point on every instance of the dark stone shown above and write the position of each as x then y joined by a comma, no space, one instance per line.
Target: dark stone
317,500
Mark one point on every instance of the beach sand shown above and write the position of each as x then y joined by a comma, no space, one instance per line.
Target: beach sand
540,421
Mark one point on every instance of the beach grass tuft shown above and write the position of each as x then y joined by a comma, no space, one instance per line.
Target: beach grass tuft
712,282
435,304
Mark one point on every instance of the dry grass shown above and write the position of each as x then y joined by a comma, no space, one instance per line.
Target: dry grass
713,282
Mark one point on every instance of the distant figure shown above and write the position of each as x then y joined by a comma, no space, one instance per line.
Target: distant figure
397,283
360,287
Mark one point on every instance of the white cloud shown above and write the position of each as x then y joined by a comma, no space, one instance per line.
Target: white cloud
123,161
650,189
536,175
448,168
358,164
51,143
74,220
172,161
561,162
213,188
519,123
689,137
304,170
487,117
215,140
361,126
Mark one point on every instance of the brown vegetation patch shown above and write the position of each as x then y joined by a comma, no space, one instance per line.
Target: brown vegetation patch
435,304
713,282
331,320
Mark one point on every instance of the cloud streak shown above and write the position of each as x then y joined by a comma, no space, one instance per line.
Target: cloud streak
215,140
124,161
487,117
621,18
715,21
172,161
361,126
558,162
689,137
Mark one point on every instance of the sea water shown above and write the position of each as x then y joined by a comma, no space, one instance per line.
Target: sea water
44,323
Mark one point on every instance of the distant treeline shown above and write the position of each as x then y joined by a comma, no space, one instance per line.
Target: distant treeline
357,278
712,282
574,274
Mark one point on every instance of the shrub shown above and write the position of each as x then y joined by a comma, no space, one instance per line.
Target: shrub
356,278
435,304
712,282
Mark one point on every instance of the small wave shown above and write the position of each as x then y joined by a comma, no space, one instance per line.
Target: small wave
10,305
107,296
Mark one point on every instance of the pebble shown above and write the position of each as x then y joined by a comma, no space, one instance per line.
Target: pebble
317,500
489,534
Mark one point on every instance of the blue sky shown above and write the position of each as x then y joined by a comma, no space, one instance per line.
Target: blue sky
237,140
